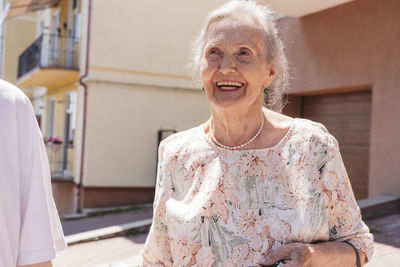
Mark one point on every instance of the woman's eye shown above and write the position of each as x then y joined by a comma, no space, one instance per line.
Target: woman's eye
244,52
213,51
213,54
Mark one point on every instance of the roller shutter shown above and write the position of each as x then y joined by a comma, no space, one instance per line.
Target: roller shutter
347,117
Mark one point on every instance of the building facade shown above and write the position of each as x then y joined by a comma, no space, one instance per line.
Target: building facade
345,67
112,79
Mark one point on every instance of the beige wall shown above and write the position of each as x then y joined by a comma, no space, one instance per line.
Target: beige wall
145,42
355,45
20,33
138,84
122,125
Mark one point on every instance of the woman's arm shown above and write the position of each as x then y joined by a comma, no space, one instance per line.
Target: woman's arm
344,223
325,254
41,264
343,214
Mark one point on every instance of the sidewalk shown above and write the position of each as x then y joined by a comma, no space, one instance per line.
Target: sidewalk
95,219
112,252
116,251
386,232
102,224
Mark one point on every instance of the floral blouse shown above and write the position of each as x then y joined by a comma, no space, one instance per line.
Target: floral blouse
215,207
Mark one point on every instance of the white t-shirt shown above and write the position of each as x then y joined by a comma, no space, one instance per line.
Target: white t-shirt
30,229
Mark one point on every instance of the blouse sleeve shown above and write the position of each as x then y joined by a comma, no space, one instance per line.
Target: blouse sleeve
344,216
41,234
157,251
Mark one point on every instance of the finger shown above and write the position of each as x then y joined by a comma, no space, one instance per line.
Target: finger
272,256
276,264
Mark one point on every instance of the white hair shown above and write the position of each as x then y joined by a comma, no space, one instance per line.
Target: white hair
266,19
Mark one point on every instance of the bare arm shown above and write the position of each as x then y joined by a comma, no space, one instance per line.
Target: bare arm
338,253
325,254
41,264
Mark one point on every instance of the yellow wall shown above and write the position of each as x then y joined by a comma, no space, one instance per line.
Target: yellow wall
123,121
146,42
138,83
20,33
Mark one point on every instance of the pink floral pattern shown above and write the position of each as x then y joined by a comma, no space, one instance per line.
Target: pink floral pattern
215,207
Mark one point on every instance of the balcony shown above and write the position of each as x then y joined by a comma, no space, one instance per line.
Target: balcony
51,61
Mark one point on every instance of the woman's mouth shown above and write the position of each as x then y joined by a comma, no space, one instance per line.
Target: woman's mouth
229,85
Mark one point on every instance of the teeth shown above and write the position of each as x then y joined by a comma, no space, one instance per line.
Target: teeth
236,84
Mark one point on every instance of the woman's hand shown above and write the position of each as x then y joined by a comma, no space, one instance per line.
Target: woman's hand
327,254
291,255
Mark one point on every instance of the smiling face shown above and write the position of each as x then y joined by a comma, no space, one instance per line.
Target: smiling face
234,68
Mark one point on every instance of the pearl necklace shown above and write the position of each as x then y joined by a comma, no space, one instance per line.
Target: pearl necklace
214,140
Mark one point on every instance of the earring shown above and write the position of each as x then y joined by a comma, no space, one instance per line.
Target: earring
202,90
266,91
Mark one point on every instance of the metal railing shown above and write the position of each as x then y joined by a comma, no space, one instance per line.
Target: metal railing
60,167
50,51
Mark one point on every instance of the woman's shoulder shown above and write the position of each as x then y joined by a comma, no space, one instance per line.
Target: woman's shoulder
308,132
306,126
301,131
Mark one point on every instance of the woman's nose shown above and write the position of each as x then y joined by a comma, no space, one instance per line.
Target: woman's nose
228,64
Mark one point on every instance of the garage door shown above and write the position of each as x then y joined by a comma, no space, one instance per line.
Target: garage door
347,117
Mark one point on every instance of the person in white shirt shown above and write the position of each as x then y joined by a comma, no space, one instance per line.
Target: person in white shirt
30,229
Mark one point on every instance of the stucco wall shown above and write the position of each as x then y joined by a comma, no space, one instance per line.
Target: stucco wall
146,42
20,33
355,45
122,125
139,83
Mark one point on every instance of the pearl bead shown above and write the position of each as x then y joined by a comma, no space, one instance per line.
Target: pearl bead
214,140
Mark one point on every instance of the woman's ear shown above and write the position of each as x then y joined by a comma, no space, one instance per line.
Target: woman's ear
270,76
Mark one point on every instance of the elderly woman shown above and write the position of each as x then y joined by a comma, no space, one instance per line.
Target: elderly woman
251,186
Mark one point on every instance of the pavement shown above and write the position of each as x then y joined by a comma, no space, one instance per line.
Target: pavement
105,237
112,252
116,239
386,232
99,218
